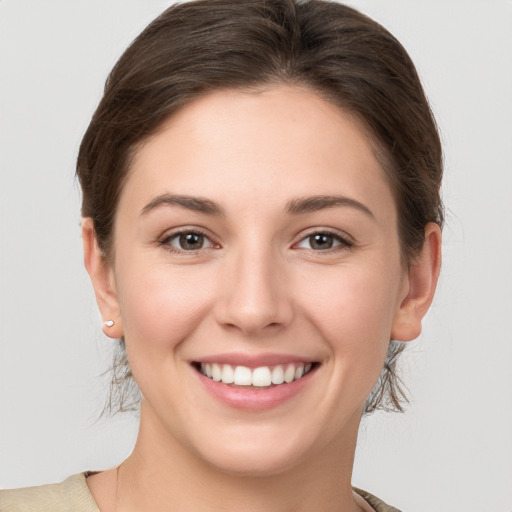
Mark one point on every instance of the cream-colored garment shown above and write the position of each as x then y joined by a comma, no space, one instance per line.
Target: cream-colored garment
73,495
377,504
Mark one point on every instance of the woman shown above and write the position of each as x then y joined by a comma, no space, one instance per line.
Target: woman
261,217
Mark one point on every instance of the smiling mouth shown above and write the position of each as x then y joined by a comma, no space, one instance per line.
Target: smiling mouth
262,377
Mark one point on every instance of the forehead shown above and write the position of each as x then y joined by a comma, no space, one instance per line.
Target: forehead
264,145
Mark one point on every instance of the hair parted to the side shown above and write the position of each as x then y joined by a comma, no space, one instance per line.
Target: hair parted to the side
200,46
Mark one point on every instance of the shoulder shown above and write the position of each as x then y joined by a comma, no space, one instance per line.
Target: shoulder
72,494
377,504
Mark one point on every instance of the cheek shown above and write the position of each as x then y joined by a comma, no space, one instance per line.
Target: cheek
359,300
354,310
161,306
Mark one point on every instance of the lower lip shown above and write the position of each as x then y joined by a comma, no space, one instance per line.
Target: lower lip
253,399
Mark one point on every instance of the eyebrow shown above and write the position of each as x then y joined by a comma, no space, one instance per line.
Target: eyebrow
315,203
294,207
195,204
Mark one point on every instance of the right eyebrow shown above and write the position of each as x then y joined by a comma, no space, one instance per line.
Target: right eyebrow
195,204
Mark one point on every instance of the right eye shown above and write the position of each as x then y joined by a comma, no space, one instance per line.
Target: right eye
187,241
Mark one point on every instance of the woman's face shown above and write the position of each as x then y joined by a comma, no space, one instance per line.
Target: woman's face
256,239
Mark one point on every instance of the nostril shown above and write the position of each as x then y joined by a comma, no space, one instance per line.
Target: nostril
251,326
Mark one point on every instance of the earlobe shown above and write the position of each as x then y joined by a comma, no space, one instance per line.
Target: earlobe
101,274
421,284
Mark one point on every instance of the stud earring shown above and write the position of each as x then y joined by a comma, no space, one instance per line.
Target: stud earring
109,323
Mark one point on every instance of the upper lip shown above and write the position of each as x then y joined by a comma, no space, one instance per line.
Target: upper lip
253,361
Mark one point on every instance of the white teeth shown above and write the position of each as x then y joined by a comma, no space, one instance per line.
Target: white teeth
243,376
216,373
228,375
289,374
263,376
278,375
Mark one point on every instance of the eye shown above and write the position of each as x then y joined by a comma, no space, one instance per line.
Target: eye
188,241
323,241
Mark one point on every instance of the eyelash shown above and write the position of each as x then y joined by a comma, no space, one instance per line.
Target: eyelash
344,242
166,241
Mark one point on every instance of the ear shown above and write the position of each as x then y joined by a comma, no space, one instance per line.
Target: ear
419,287
102,277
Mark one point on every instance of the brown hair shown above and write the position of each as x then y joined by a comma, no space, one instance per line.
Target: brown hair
204,45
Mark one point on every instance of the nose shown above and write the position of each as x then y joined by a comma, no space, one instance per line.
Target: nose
255,298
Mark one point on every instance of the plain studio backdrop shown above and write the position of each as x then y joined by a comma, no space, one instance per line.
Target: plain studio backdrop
451,451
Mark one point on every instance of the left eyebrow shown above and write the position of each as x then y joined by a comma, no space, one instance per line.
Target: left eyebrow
315,203
195,204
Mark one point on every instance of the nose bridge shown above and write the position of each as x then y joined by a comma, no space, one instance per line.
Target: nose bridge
255,298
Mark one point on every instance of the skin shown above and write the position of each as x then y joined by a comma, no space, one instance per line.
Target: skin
257,286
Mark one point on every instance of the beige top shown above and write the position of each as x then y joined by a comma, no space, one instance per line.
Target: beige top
73,495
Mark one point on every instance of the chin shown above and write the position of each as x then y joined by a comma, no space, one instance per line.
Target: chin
257,463
257,452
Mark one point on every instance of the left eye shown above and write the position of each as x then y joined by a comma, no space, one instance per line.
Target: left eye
189,241
321,241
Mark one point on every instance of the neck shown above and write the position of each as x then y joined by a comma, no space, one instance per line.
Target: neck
162,474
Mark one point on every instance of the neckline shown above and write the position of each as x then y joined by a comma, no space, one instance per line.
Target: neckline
371,501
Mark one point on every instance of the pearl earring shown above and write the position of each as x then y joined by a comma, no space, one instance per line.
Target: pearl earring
109,323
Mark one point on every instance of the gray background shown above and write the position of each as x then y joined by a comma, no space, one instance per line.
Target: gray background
452,450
